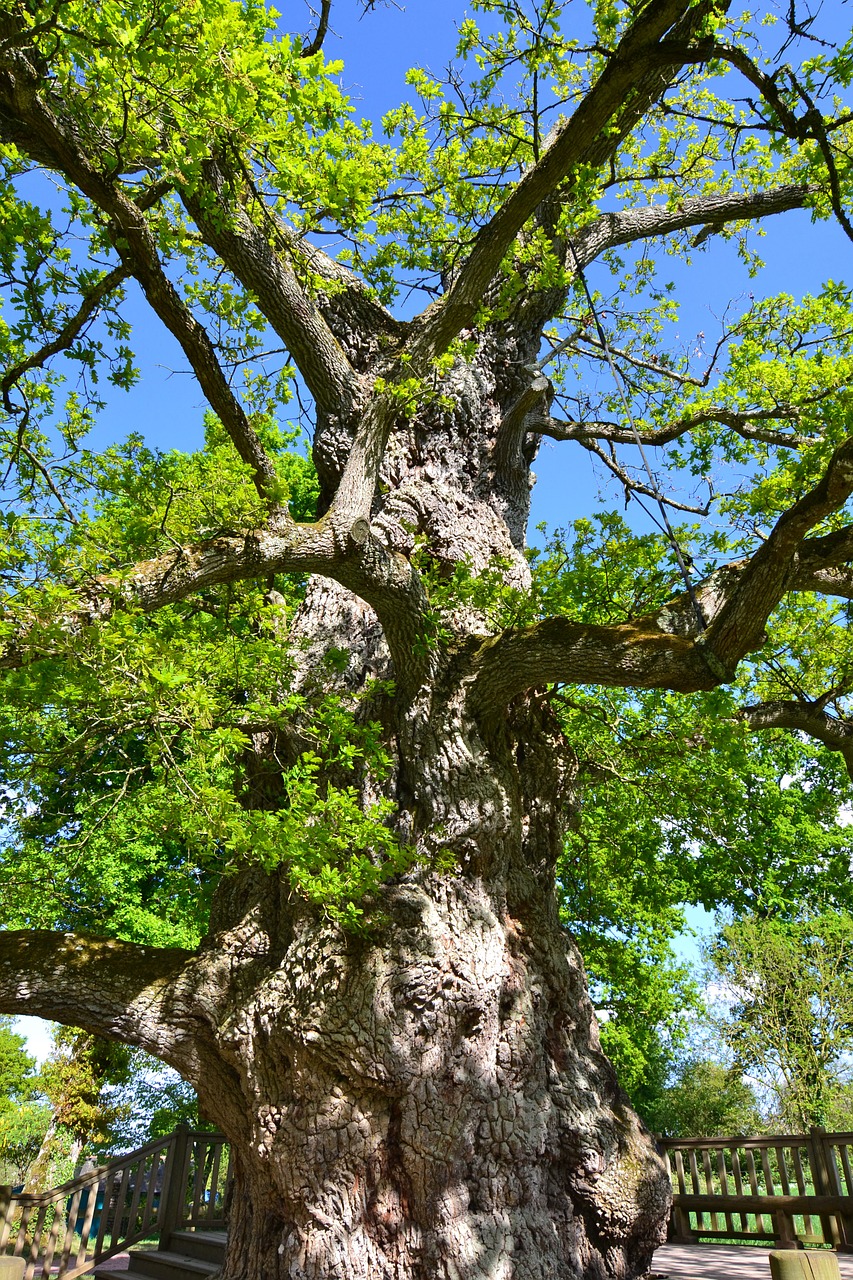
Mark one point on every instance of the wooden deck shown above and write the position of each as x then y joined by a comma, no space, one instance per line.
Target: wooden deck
722,1262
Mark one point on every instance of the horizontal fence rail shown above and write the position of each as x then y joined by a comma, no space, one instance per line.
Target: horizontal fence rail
791,1190
174,1182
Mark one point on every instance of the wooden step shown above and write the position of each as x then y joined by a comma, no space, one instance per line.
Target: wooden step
192,1255
209,1245
104,1273
164,1264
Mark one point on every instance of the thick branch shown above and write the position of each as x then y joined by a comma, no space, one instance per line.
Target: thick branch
664,649
640,654
611,108
740,421
804,717
711,213
245,249
348,295
37,129
824,564
348,553
315,45
738,627
115,989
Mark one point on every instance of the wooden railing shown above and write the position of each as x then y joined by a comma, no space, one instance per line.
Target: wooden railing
171,1183
789,1190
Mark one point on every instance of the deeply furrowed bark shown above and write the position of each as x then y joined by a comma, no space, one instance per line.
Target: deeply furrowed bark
432,1102
426,1099
429,1099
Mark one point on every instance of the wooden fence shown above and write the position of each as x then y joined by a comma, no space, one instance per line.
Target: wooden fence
786,1190
179,1181
791,1190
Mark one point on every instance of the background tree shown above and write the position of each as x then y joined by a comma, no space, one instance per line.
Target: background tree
790,1021
150,1103
23,1120
17,1067
22,1131
294,751
75,1081
706,1099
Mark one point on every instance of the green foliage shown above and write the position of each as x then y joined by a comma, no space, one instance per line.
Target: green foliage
790,1021
122,746
125,746
681,804
16,1066
22,1132
23,1119
705,1100
148,1104
74,1079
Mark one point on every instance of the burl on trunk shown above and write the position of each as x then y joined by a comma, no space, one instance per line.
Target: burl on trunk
434,1104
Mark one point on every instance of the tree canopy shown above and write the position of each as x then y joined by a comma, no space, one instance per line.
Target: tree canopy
142,673
261,681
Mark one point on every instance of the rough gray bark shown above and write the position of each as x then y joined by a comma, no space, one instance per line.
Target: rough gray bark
430,1099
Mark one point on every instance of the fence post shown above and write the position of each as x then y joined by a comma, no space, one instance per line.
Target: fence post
5,1206
174,1185
820,1158
843,1234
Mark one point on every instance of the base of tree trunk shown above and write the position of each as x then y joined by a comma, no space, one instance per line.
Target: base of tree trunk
444,1111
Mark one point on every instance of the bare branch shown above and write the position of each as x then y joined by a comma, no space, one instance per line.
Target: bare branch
46,474
738,421
69,332
599,352
316,43
711,213
805,717
635,486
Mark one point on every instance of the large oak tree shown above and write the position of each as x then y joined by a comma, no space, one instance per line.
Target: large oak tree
292,753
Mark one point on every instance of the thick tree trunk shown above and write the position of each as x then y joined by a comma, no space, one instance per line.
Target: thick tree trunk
425,1099
432,1102
428,1100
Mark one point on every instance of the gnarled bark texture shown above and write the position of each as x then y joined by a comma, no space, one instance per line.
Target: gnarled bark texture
427,1100
430,1099
434,1103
